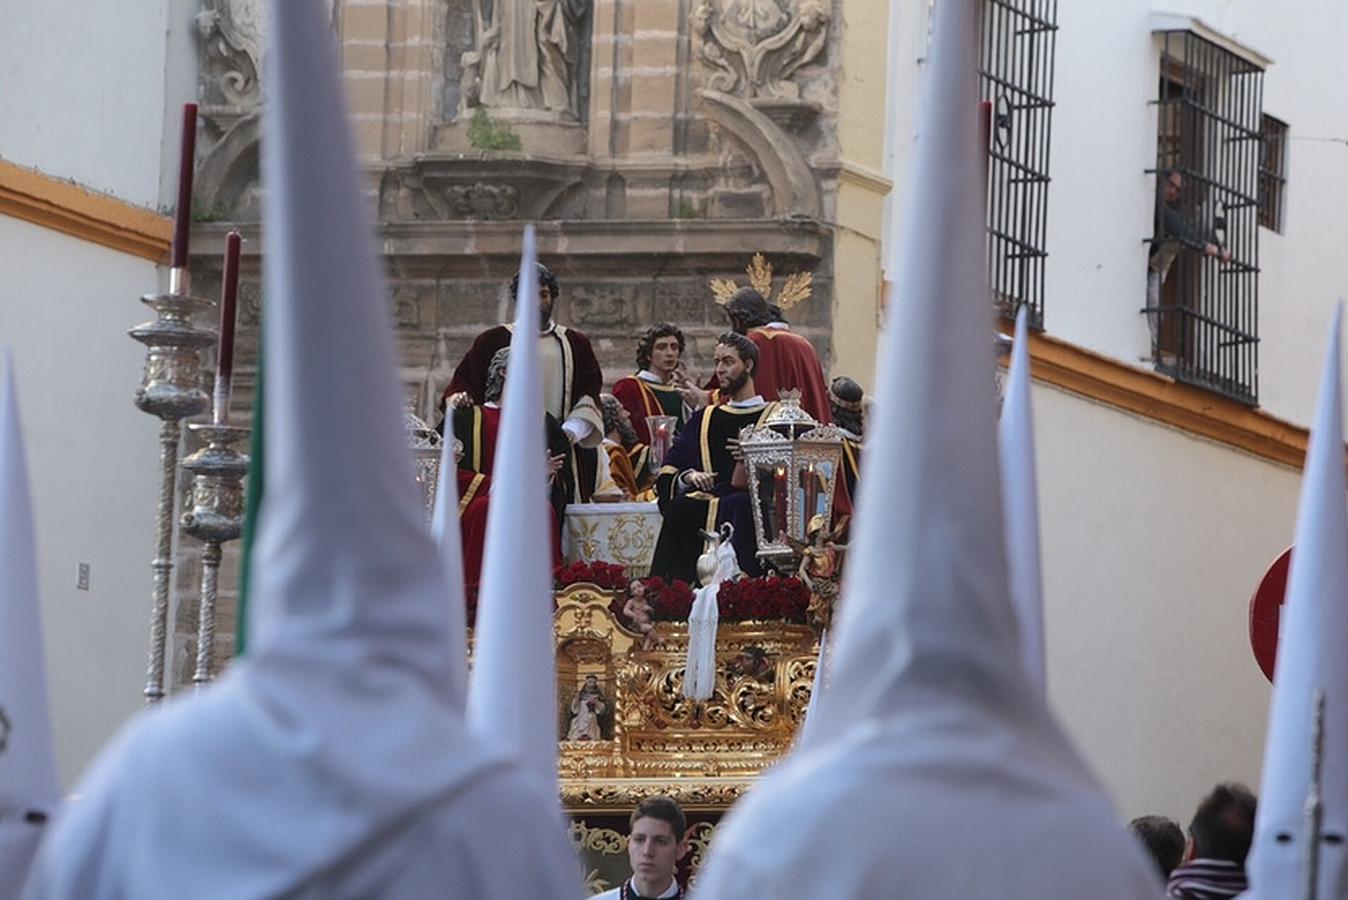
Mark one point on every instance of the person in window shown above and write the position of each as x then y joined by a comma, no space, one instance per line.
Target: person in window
1175,231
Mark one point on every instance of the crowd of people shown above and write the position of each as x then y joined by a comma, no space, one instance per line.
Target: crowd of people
600,444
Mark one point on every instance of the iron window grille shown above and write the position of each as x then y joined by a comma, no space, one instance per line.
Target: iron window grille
1272,172
1203,261
1018,43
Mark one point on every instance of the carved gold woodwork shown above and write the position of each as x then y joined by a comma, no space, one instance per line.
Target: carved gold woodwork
704,754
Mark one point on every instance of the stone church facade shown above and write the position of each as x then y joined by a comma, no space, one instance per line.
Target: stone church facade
656,144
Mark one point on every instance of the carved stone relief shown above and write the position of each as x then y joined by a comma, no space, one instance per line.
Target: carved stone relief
754,47
232,34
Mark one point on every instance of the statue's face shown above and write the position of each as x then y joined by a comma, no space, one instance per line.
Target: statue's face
665,355
731,372
545,303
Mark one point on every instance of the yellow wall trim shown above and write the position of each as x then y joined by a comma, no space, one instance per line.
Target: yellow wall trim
81,213
1162,399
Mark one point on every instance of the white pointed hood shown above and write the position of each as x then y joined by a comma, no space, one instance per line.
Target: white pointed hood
1311,657
339,728
512,699
445,531
932,727
924,615
28,783
1020,505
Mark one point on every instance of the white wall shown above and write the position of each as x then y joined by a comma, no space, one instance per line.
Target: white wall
89,93
83,93
93,459
1101,200
1153,542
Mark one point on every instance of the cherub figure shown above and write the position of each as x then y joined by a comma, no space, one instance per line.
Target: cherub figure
639,612
821,568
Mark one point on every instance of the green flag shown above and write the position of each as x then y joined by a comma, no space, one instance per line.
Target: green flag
252,503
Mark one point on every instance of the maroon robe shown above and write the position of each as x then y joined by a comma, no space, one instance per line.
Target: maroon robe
584,379
643,398
476,427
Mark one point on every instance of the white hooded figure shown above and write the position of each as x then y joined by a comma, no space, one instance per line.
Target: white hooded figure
1311,660
29,790
935,769
332,761
1020,505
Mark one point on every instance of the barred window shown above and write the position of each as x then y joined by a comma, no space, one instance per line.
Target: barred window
1272,172
1019,38
1203,260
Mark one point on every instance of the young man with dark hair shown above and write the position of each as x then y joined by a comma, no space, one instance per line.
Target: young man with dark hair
697,488
658,839
657,387
1219,840
1163,839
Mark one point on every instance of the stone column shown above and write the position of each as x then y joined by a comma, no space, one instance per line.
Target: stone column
862,189
389,57
639,101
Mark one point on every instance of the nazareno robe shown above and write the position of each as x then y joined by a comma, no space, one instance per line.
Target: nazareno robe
476,427
787,361
642,398
582,380
703,446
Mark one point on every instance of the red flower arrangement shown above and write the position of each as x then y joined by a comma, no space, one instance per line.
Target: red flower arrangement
609,576
745,599
770,597
742,600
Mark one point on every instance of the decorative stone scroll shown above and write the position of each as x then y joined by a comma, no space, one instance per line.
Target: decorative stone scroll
754,46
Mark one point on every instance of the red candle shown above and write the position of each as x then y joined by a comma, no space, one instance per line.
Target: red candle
811,494
182,218
229,292
779,501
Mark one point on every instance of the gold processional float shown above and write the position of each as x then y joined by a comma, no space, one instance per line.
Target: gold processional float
626,728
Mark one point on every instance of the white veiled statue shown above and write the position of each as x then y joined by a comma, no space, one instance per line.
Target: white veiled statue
699,678
934,769
334,760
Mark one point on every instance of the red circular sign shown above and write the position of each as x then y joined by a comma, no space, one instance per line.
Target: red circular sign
1266,612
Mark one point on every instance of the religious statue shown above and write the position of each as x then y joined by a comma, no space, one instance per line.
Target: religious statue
639,612
528,56
752,662
589,708
821,568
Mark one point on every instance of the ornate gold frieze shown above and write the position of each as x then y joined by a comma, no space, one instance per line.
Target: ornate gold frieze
626,731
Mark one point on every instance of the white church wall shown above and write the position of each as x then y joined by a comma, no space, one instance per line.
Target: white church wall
65,306
1153,542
